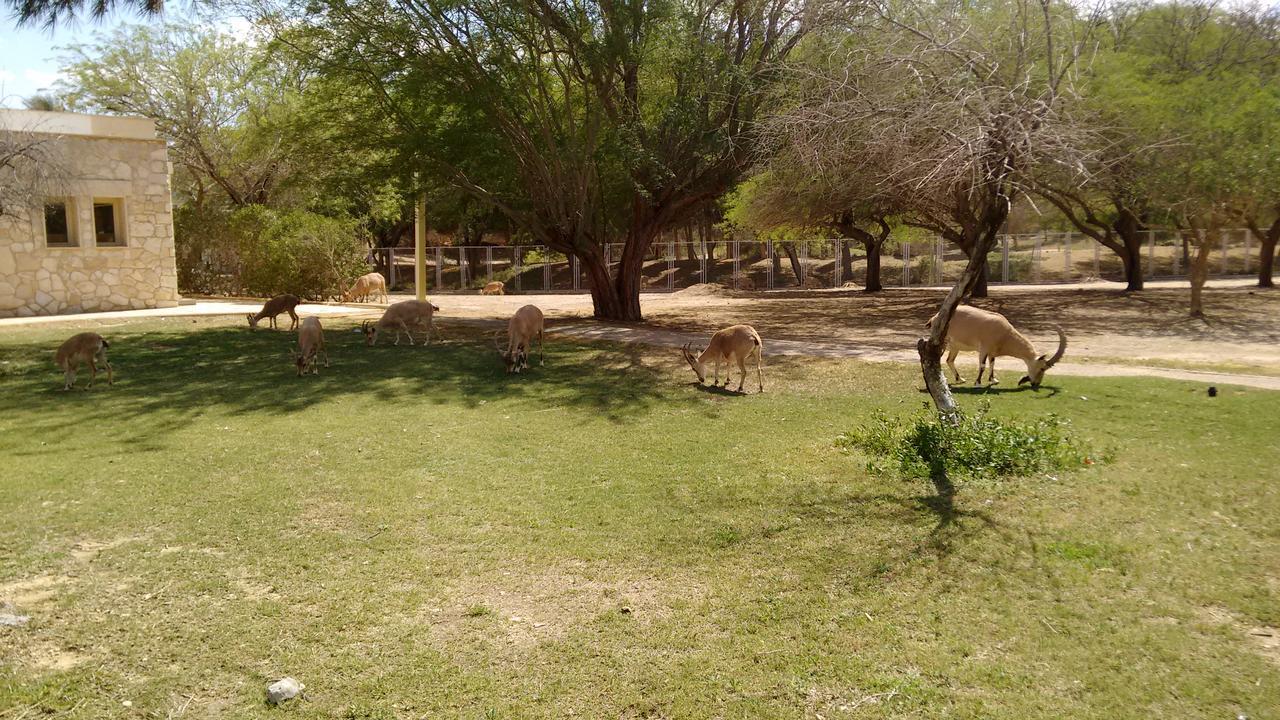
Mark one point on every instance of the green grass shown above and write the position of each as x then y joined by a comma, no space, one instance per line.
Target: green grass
415,534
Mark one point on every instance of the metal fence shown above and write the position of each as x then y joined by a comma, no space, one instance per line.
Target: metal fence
1045,257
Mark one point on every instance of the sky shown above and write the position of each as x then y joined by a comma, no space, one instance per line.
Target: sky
29,55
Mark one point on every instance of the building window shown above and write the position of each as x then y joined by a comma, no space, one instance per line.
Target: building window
108,221
59,223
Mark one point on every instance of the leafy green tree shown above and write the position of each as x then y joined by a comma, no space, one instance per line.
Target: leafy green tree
224,106
583,124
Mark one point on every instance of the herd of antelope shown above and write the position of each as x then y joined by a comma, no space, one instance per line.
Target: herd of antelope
989,333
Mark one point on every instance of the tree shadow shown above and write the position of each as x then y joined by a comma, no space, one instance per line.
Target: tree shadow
168,377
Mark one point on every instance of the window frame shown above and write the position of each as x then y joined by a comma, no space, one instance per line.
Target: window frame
69,210
118,215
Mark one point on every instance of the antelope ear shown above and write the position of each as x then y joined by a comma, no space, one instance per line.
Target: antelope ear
1025,379
1042,358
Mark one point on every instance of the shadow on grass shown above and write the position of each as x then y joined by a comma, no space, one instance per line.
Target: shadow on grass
168,377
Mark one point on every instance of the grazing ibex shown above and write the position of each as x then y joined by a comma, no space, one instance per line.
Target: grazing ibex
494,288
401,317
992,336
732,344
84,347
275,306
310,346
365,286
522,328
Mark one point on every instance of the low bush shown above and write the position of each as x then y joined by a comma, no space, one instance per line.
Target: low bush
260,251
976,446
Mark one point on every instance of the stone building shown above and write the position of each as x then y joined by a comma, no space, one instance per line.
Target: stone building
103,240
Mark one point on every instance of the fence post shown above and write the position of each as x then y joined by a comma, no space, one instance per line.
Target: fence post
439,269
938,254
488,264
462,267
1222,240
1004,259
1151,253
546,268
1097,260
702,259
391,267
1177,261
515,264
1036,256
1248,241
1066,254
768,272
671,265
906,264
737,264
573,268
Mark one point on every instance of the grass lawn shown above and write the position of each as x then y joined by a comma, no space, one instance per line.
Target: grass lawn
415,534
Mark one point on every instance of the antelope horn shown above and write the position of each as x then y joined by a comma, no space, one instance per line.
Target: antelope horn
1062,348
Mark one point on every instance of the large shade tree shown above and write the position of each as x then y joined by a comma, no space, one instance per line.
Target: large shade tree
592,123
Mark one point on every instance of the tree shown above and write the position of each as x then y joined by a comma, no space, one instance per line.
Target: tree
51,13
223,104
44,102
32,168
616,120
950,108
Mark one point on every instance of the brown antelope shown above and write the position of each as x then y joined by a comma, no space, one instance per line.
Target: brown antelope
84,347
365,286
522,328
494,288
992,336
401,317
732,344
310,346
275,306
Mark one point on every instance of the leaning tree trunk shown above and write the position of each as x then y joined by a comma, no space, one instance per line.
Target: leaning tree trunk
930,348
796,268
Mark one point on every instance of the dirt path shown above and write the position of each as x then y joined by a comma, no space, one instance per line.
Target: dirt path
673,339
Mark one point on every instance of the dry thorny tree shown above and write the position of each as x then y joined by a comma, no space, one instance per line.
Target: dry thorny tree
951,112
32,168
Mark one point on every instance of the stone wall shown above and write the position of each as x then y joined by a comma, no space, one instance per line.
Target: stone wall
36,279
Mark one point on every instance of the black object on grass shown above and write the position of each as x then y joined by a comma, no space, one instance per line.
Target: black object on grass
1213,391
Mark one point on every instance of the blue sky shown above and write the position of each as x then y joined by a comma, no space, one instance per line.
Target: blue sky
29,56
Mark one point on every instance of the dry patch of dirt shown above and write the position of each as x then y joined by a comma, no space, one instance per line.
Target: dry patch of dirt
529,608
47,657
32,591
89,550
1262,639
323,516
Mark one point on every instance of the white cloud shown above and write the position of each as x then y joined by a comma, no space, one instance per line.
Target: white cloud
40,78
6,76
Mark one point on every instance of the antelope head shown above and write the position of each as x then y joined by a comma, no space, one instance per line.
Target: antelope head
1037,368
691,357
370,331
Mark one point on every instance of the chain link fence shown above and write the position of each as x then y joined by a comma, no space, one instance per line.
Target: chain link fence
1035,258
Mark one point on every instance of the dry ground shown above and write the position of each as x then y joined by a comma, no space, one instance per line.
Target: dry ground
1241,333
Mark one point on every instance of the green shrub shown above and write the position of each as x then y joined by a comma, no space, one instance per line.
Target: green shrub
977,446
207,255
309,255
260,251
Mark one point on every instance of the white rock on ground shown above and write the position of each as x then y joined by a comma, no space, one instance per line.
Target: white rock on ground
284,690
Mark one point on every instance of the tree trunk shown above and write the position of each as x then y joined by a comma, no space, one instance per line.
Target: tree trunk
846,260
777,259
1199,273
1129,228
796,268
930,348
980,284
1266,251
872,283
